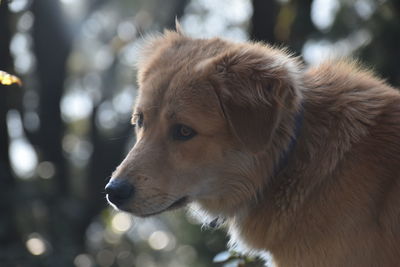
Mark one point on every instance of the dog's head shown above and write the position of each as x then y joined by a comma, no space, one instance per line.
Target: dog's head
206,111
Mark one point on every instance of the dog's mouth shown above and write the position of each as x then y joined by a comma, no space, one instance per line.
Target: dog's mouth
178,203
175,205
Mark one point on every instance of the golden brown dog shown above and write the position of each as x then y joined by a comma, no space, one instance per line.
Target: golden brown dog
303,163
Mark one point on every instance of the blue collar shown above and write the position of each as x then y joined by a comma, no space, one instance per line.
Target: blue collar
284,157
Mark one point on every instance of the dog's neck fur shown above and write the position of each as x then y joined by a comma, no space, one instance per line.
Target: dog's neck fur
276,163
282,162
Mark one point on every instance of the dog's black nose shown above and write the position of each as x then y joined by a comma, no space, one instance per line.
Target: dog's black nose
119,191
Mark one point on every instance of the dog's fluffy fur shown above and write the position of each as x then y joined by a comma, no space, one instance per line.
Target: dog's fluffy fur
303,163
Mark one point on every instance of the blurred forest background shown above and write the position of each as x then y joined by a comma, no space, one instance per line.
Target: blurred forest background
65,130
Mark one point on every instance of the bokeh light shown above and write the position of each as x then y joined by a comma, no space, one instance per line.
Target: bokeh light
18,5
83,260
46,170
323,13
23,156
105,258
121,222
158,240
36,244
187,254
76,105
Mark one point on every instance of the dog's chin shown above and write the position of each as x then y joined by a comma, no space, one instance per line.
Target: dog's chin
179,203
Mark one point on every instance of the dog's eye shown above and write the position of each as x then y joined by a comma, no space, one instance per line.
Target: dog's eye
138,119
182,132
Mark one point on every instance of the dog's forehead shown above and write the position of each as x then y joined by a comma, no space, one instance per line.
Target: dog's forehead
171,82
152,92
176,92
173,52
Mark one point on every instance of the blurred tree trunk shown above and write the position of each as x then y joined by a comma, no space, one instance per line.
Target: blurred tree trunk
5,65
11,243
263,20
302,27
52,44
287,23
383,50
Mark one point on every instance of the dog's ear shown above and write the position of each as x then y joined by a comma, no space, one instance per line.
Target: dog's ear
253,86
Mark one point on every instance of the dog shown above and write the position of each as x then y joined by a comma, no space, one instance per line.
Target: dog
302,162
